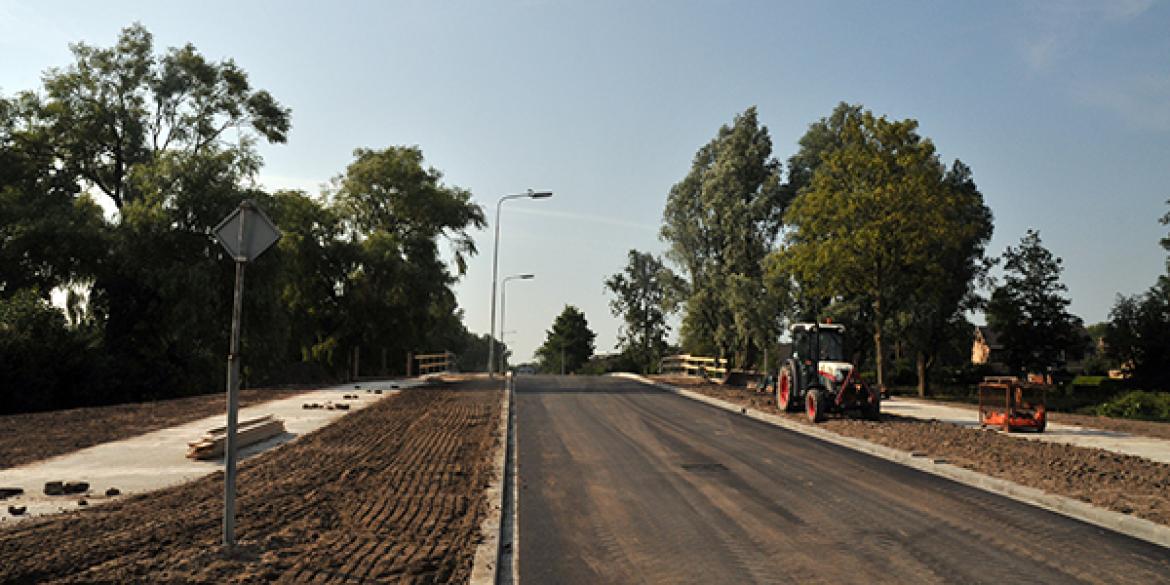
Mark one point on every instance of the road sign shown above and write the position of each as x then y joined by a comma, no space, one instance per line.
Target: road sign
246,232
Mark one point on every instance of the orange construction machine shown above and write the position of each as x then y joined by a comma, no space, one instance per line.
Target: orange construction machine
1012,405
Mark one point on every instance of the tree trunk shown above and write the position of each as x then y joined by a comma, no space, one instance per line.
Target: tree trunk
923,378
880,358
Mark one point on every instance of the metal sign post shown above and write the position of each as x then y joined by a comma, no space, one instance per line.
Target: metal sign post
245,234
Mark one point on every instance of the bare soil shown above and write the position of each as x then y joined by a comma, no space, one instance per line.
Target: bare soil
1122,483
25,438
390,493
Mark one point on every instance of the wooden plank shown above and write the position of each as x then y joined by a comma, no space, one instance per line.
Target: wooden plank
242,424
212,446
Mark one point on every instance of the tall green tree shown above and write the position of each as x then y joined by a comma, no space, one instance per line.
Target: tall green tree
870,212
935,309
316,260
1138,333
721,221
150,131
117,108
568,345
643,294
397,212
1030,312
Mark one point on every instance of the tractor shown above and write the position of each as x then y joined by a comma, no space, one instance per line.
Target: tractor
819,379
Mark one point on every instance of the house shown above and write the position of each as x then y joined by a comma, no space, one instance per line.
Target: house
986,349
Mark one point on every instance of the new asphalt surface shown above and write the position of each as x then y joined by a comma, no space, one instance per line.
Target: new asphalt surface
622,483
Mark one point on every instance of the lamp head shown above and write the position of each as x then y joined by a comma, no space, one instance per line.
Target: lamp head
539,194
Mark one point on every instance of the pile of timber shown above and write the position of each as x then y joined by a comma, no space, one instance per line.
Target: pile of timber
213,444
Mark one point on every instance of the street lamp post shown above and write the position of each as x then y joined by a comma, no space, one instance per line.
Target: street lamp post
503,310
495,264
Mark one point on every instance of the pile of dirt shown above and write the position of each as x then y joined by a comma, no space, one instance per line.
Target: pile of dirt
391,493
1122,483
25,438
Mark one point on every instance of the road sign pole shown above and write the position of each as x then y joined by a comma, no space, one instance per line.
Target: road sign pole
233,391
233,398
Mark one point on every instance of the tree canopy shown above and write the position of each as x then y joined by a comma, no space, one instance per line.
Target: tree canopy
357,281
1138,333
878,221
568,345
116,108
1029,310
643,298
721,221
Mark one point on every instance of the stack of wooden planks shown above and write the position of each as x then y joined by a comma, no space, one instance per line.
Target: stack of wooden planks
212,445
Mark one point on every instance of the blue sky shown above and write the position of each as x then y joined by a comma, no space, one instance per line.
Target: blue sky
1061,108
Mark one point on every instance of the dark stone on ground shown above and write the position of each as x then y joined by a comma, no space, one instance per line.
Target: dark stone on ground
76,487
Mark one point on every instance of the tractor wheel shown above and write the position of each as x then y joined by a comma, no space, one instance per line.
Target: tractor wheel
785,392
814,404
872,408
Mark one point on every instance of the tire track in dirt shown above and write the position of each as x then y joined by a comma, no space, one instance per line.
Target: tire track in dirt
392,492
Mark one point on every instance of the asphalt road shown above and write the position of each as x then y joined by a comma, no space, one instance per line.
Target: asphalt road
621,483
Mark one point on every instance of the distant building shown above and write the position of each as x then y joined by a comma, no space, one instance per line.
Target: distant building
986,349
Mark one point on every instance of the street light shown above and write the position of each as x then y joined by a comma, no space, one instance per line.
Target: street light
504,305
495,263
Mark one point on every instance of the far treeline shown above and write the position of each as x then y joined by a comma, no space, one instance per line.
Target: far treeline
867,226
168,140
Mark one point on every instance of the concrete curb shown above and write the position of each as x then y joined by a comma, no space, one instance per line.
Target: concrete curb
1128,525
487,553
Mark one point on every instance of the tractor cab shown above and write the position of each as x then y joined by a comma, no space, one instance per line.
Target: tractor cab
819,354
817,342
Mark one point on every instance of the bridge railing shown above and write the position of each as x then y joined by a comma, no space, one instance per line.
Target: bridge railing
693,365
433,363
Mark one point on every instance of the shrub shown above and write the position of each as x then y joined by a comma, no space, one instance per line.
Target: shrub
1138,404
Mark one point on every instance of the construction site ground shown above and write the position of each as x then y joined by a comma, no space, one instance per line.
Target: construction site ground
390,493
158,459
1122,483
